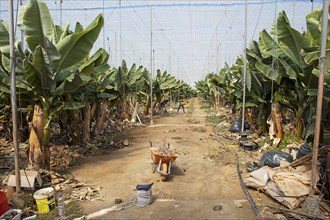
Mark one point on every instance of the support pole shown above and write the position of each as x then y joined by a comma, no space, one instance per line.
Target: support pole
151,69
61,1
244,68
13,94
120,34
103,27
116,49
314,177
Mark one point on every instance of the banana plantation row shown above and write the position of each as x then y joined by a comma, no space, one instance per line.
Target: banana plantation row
282,70
58,80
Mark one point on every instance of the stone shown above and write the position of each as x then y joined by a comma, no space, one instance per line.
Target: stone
238,203
125,142
118,201
217,207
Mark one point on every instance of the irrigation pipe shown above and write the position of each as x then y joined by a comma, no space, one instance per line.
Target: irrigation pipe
246,191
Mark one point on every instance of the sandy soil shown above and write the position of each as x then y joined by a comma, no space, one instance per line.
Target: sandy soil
196,185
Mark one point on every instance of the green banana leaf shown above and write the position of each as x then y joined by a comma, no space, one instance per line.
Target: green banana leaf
135,77
5,63
270,47
269,72
35,21
37,76
4,38
293,39
73,105
57,32
109,96
78,28
76,47
53,56
66,31
93,60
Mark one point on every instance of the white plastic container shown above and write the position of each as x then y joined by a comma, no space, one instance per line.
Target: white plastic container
12,214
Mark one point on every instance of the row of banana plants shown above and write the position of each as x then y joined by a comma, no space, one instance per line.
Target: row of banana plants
58,79
283,68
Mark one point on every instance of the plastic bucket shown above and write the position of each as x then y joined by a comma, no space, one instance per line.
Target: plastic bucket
4,206
45,199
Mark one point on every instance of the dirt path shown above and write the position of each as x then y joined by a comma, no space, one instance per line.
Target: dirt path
196,186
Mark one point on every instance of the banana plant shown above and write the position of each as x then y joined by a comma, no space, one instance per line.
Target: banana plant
24,92
144,95
311,56
51,71
290,72
134,83
95,72
125,81
260,92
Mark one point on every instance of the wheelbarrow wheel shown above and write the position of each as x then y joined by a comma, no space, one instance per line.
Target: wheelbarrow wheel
164,172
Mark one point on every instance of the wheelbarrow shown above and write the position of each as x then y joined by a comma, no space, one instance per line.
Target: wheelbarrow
162,160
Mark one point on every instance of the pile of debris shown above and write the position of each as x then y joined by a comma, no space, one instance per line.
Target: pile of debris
289,182
71,187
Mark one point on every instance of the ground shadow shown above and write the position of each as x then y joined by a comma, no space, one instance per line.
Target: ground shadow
175,171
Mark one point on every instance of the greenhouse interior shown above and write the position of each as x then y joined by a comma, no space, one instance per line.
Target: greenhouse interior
227,101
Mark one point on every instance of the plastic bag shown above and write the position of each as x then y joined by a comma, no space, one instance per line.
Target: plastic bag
273,158
304,150
236,126
144,194
145,187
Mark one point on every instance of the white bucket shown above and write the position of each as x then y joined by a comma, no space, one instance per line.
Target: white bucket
45,199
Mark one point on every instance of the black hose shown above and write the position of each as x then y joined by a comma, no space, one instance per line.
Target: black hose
246,191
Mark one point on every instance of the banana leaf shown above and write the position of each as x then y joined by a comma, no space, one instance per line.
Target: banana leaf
76,47
293,39
35,21
4,38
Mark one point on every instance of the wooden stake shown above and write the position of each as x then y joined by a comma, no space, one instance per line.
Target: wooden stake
314,177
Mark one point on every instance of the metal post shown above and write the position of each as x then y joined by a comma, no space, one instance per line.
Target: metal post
151,67
103,28
169,57
319,96
22,35
120,39
217,57
109,47
116,48
13,94
61,13
244,68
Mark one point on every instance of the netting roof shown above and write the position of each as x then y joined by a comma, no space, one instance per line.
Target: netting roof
190,38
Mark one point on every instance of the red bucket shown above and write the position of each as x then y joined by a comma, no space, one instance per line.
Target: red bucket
4,206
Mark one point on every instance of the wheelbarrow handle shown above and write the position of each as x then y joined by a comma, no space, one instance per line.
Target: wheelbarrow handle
160,166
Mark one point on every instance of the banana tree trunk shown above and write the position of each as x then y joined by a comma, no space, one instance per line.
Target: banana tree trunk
124,109
93,109
73,130
38,152
249,116
261,121
147,107
98,129
299,126
277,120
134,115
86,122
215,103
